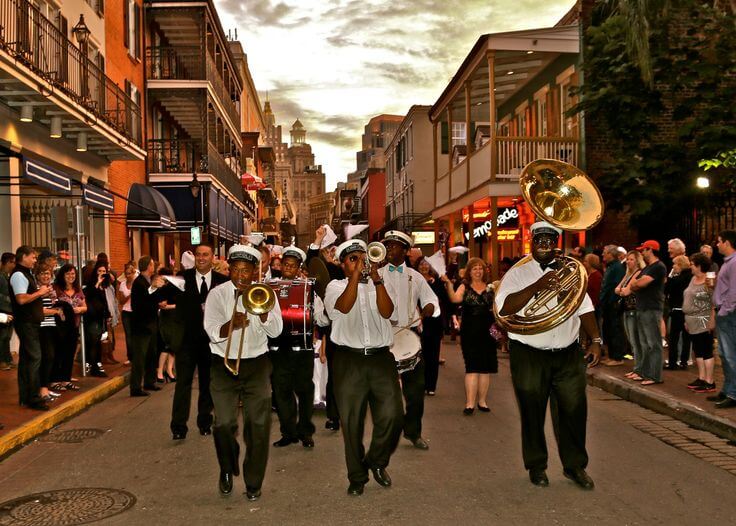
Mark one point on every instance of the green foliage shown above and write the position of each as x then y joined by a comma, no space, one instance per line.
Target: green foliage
722,160
659,131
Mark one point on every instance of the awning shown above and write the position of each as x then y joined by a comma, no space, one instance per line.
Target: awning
148,208
97,197
48,177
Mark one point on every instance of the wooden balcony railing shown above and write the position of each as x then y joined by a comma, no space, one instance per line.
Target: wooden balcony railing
514,153
190,63
37,43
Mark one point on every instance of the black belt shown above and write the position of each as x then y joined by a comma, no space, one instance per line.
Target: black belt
367,351
573,346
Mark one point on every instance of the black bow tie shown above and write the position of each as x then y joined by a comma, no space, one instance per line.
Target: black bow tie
552,264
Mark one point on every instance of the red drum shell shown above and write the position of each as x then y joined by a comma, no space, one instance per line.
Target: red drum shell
294,298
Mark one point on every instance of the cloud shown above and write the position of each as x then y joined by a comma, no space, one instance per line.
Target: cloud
263,13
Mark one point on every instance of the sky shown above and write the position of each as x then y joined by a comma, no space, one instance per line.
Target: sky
334,64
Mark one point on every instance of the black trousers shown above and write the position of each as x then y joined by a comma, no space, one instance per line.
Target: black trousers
412,386
294,391
93,330
677,330
48,337
145,357
66,348
539,376
29,362
362,381
6,332
331,405
253,388
431,340
128,328
191,356
613,332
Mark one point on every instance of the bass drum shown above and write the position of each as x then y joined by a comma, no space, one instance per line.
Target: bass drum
295,300
406,349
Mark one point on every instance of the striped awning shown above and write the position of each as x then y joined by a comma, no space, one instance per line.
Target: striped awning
98,197
46,176
148,208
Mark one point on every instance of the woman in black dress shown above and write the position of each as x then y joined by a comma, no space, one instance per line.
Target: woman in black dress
479,349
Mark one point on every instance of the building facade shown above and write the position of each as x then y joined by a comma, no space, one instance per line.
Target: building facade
307,180
321,208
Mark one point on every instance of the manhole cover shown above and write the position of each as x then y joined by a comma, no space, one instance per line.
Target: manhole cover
72,436
65,507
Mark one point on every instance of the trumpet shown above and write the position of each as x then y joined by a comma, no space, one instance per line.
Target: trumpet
257,299
376,254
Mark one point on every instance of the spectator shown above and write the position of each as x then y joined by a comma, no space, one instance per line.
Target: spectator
72,302
634,264
7,263
700,320
707,251
27,298
48,335
432,328
724,299
649,290
129,275
674,288
95,319
578,253
592,264
609,303
275,267
48,258
622,254
170,330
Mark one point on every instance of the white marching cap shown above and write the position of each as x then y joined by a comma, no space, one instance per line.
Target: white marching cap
351,245
244,253
621,250
276,250
399,236
294,252
543,227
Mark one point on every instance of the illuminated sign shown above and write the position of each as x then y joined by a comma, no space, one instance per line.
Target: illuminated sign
508,235
196,235
508,217
423,238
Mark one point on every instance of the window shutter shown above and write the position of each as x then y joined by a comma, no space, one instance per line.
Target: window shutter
137,31
101,7
126,23
445,139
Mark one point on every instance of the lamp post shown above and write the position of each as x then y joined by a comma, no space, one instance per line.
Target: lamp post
195,187
703,184
81,34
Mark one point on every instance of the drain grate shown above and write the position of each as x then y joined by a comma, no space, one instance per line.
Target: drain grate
65,507
72,436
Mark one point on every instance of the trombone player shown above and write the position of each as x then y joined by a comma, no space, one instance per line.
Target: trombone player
244,337
549,365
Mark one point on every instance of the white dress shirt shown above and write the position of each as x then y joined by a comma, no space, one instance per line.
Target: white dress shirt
320,316
219,310
207,279
408,290
565,334
363,327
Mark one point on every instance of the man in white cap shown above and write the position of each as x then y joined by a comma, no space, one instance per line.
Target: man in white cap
292,356
364,369
549,365
408,289
195,348
251,385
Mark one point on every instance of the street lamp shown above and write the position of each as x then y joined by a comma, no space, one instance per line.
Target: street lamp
195,186
702,182
81,34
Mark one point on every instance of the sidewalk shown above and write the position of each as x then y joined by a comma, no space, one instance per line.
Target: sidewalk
23,425
671,398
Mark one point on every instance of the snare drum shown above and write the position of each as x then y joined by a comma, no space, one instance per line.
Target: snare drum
295,300
406,348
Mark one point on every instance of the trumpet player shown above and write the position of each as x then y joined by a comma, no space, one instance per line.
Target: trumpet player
409,289
224,322
549,365
364,369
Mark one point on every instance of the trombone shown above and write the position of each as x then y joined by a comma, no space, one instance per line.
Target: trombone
257,299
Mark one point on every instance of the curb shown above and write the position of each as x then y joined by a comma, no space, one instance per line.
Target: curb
665,404
21,436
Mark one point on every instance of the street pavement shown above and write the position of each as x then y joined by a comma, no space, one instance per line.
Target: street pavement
648,469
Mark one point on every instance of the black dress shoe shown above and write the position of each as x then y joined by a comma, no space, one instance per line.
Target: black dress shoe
226,483
538,477
332,425
138,392
579,477
252,494
381,476
308,442
356,489
418,442
468,411
179,436
204,431
151,387
726,403
38,406
484,409
285,441
716,398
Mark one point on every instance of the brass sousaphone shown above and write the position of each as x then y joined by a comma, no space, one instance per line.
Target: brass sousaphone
566,197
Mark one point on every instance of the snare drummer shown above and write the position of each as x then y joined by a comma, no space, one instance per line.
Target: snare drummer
409,290
292,356
364,368
251,385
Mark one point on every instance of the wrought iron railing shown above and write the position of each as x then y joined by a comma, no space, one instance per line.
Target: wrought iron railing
174,155
34,41
190,63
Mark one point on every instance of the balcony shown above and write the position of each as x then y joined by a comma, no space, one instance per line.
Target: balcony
41,67
509,156
185,67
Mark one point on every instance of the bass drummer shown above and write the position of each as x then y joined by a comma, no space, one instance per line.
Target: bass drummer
292,352
410,292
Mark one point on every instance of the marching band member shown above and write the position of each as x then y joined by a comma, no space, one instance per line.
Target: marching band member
251,385
549,365
292,356
408,289
364,369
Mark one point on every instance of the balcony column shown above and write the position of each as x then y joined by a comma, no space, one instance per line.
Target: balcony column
449,150
468,139
10,224
491,58
435,160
